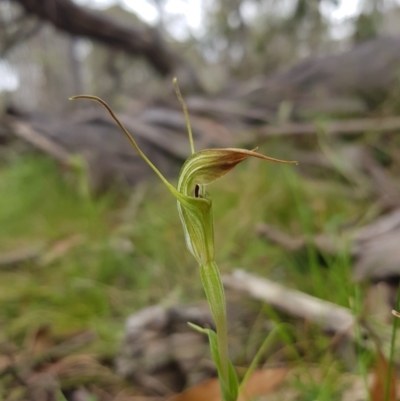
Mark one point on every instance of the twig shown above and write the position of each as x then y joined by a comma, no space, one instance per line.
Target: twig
355,126
29,134
395,313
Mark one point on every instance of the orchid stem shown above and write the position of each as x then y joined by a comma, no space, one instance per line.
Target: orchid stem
222,335
214,290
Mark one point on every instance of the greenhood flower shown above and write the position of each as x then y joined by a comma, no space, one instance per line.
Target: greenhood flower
194,204
199,170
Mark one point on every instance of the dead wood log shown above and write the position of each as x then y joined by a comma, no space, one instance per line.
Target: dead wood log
375,247
69,17
348,83
102,146
90,133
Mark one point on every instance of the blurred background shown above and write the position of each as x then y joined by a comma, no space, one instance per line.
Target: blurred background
90,238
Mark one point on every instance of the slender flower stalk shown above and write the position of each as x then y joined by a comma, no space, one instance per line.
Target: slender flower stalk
195,210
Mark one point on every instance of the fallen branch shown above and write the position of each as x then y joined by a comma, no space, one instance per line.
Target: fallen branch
324,243
19,256
374,248
355,126
381,226
40,141
330,317
384,187
69,17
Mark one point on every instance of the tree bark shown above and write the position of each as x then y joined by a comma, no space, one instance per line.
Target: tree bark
67,16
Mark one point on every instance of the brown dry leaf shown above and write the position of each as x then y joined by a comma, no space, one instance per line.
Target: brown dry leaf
138,398
8,356
60,248
261,382
380,374
5,362
40,341
206,391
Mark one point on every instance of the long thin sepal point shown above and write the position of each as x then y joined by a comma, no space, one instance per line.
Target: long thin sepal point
185,112
129,136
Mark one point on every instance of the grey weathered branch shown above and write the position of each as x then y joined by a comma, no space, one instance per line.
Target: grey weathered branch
329,316
37,139
354,126
68,17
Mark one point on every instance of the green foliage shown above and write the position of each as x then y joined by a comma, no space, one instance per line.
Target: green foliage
95,285
33,184
230,387
195,211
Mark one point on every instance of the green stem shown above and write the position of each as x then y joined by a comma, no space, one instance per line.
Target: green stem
214,290
360,359
264,346
392,349
222,336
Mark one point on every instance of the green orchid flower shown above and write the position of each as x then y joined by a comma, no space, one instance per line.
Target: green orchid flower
195,210
199,170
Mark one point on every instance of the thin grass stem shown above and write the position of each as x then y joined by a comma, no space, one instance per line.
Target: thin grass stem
266,343
392,349
360,360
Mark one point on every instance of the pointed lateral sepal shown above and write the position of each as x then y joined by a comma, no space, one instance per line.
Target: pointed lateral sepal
131,140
